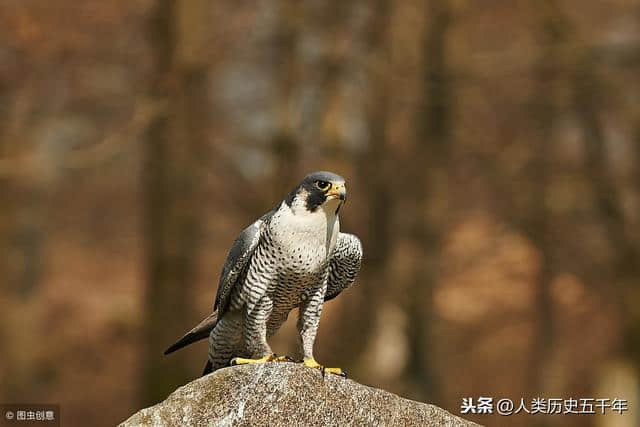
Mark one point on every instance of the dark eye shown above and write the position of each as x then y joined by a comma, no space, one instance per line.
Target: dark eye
323,185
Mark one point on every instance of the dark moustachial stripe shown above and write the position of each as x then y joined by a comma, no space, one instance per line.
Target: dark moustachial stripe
315,197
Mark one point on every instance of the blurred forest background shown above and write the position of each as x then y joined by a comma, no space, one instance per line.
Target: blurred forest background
492,157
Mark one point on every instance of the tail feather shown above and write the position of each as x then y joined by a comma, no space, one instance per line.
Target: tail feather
200,332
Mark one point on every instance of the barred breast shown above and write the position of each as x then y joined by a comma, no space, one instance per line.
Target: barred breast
290,262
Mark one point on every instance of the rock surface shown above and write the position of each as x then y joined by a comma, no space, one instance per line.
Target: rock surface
286,394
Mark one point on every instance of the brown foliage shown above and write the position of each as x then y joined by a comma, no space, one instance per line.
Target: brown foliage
490,148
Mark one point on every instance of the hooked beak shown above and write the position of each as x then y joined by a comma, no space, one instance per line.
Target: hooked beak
337,191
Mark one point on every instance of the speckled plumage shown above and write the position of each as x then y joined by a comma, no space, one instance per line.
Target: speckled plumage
292,257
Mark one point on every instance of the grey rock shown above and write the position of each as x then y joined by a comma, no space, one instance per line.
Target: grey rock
284,394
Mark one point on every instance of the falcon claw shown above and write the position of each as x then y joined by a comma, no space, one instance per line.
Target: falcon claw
242,361
271,358
311,363
276,358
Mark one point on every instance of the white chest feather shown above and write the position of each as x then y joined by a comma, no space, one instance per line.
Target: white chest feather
296,230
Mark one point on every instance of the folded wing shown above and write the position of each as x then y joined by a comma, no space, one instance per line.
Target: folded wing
344,264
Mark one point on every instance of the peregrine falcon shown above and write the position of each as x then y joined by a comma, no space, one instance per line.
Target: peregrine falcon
292,257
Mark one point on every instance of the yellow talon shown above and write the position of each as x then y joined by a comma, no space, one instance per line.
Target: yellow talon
311,363
242,361
270,358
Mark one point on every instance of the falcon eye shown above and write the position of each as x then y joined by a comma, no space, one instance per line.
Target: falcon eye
323,185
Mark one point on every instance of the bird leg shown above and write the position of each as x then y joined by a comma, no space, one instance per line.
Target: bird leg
256,334
308,321
311,363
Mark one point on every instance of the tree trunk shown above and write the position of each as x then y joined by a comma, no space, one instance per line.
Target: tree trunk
537,223
431,153
286,148
174,144
626,268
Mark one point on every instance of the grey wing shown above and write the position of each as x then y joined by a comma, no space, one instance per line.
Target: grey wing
344,264
237,259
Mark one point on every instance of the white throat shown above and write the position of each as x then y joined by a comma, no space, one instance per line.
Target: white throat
295,225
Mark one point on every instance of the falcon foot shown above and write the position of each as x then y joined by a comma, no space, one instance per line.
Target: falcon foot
277,358
270,358
311,363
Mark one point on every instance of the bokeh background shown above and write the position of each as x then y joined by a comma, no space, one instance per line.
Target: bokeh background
491,150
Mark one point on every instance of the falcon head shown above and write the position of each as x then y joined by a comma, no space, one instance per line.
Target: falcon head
318,190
